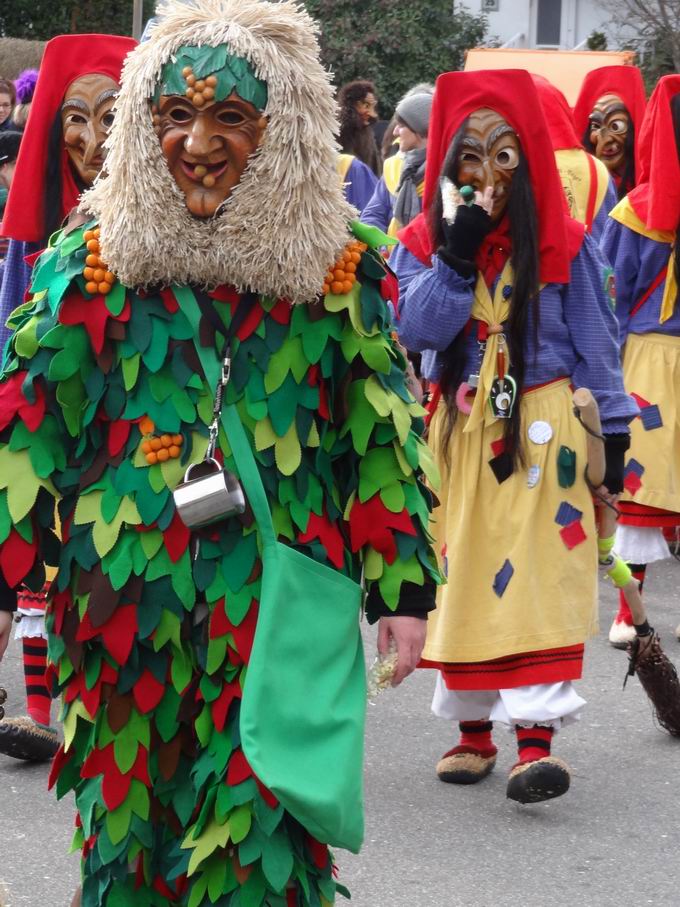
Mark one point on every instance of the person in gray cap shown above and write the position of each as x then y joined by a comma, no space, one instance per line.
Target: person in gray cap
397,197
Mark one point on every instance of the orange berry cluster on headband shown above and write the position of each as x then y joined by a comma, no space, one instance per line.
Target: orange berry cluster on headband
340,278
199,90
98,278
159,449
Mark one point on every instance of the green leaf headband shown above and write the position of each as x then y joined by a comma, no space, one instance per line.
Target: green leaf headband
210,73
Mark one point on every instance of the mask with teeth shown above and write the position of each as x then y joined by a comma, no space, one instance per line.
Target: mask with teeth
207,113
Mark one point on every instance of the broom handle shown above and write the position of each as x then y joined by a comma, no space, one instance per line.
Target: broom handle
586,404
590,417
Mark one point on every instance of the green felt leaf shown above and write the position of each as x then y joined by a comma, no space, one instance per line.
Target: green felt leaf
213,836
217,652
115,300
393,576
26,339
393,497
151,542
181,669
265,436
118,822
240,821
130,368
288,452
378,469
374,352
277,860
361,417
22,484
372,236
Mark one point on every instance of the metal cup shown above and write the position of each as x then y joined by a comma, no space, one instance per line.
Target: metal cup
213,496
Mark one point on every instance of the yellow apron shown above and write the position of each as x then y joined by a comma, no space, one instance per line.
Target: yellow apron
651,370
481,526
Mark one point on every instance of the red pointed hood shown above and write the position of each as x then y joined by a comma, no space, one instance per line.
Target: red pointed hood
656,198
512,94
557,115
66,58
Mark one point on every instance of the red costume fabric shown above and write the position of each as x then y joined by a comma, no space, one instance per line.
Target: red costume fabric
66,58
656,198
624,81
512,94
557,115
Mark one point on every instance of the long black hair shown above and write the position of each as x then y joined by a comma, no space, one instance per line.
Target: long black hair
53,191
524,259
628,176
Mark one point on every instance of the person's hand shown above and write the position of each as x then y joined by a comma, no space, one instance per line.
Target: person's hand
465,235
5,627
409,635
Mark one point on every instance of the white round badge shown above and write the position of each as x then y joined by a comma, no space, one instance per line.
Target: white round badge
540,432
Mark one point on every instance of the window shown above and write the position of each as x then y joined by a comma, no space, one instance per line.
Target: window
548,22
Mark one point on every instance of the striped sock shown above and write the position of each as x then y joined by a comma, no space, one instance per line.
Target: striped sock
533,742
624,615
38,699
476,736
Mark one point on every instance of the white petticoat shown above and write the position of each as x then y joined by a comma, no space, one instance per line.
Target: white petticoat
641,544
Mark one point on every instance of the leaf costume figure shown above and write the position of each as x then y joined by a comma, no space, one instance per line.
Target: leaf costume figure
216,225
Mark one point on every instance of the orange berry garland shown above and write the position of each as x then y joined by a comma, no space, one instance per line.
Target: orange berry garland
98,278
341,277
159,449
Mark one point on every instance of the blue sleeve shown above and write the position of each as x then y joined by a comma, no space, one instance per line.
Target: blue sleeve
434,303
379,210
595,337
16,276
621,249
360,184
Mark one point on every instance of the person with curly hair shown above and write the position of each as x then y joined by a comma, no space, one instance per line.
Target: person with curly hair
358,112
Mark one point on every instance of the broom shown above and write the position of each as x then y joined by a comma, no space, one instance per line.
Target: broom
656,673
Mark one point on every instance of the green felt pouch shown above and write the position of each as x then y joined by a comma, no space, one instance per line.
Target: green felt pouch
303,710
566,467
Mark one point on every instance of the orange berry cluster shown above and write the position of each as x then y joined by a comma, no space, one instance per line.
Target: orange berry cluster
159,450
199,90
98,278
340,278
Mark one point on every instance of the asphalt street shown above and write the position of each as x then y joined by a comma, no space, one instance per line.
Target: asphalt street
612,841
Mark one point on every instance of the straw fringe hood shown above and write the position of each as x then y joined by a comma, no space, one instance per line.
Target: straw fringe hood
286,221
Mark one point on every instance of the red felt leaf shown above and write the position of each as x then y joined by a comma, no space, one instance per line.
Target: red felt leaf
117,633
318,851
220,624
91,699
160,885
147,692
244,634
389,289
220,707
16,558
176,538
238,769
573,534
61,758
282,311
92,314
320,527
115,787
225,293
140,770
169,301
249,326
372,524
119,432
14,403
291,897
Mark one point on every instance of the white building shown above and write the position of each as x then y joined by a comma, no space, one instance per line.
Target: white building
558,24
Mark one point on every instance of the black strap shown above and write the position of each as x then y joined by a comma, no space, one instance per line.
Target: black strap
243,309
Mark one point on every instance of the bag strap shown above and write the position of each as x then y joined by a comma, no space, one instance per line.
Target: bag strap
658,280
231,421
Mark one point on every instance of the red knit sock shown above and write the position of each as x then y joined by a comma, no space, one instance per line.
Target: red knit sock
38,699
624,616
533,742
476,736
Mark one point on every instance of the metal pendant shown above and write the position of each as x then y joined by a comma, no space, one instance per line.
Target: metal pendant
473,379
502,396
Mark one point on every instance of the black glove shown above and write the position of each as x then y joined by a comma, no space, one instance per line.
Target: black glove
463,237
8,596
615,447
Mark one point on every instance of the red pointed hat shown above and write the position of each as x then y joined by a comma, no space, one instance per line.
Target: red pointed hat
557,113
624,81
656,198
66,58
512,94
